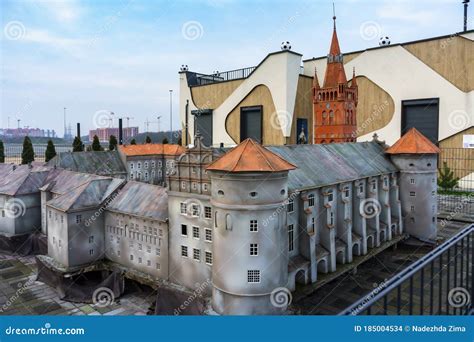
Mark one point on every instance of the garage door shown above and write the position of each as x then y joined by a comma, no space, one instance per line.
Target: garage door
423,115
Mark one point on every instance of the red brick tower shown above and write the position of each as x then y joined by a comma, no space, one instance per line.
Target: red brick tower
335,103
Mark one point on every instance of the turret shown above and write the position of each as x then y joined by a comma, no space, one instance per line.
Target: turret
416,158
249,188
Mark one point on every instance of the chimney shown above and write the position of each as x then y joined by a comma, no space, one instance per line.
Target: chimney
120,132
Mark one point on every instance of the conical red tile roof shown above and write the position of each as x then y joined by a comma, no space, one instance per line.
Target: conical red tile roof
413,142
249,156
334,49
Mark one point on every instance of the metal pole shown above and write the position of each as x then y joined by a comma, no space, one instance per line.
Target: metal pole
120,132
65,128
465,2
171,116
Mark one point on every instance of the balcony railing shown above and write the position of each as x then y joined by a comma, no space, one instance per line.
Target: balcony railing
196,79
440,283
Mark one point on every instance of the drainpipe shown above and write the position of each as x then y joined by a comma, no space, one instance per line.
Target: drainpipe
186,124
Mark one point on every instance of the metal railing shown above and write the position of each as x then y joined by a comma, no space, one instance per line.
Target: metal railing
440,283
203,79
458,199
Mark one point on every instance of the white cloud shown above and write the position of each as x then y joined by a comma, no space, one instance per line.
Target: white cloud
63,10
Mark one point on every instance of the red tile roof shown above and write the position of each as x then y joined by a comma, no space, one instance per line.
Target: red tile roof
249,156
150,149
413,142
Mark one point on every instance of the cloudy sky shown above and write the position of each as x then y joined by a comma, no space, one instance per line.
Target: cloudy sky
124,55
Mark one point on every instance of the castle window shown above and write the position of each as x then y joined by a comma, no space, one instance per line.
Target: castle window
220,193
412,193
433,219
131,175
411,164
131,257
59,243
291,238
78,219
282,192
49,213
361,188
311,200
131,166
253,194
208,212
290,206
374,185
158,252
429,164
140,246
159,163
148,249
183,208
194,186
253,226
183,185
312,225
91,239
146,165
385,182
160,173
158,266
153,164
196,232
195,210
330,196
91,252
253,276
148,262
208,235
331,218
208,258
139,165
184,230
412,180
139,175
412,208
139,260
146,176
253,249
197,254
184,251
346,192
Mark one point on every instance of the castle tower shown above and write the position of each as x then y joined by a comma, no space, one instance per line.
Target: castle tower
335,103
416,158
249,189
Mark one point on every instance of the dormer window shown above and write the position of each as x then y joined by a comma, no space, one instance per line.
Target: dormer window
330,196
346,192
311,200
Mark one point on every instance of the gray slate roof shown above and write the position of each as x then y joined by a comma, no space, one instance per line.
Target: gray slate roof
60,181
23,180
326,164
106,163
141,199
87,195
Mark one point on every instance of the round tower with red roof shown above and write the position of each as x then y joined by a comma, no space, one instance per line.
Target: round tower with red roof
250,269
416,157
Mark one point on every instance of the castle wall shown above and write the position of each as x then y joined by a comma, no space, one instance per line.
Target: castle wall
138,243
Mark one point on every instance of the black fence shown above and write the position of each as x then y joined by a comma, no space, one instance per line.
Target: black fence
457,197
440,283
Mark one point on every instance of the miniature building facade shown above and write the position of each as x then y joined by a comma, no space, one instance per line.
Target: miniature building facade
245,223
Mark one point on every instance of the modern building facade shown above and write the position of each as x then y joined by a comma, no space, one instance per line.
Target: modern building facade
426,84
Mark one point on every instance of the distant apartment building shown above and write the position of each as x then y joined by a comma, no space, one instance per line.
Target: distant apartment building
104,133
31,132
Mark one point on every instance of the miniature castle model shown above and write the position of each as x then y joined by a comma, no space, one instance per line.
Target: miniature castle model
335,103
243,224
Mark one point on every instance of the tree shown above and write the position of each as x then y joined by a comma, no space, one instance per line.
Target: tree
113,143
133,142
96,144
28,154
148,140
50,151
77,145
2,152
446,179
164,141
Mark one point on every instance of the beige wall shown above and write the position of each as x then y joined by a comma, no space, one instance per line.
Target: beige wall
303,107
460,160
213,95
445,55
259,96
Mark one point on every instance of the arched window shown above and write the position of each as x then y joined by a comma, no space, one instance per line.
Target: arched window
324,116
331,117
